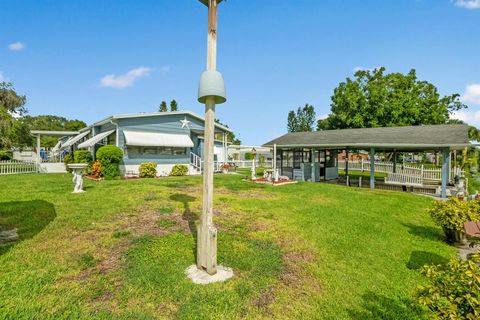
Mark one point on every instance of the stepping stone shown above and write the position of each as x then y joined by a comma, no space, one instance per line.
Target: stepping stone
8,236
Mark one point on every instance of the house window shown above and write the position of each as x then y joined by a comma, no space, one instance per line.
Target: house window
179,151
149,150
134,150
168,151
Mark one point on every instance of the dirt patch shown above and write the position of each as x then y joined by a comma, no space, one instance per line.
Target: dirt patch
267,296
294,274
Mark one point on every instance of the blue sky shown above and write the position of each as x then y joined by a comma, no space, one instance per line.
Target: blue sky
90,59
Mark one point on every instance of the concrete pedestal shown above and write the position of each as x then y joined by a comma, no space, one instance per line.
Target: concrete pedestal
202,277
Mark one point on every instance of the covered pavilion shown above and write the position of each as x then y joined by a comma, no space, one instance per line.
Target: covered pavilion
314,154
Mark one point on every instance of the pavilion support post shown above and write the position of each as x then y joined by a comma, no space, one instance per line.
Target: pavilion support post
274,164
38,149
445,173
394,161
312,164
372,168
346,164
449,166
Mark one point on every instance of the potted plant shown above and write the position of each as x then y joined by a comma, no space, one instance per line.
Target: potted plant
452,214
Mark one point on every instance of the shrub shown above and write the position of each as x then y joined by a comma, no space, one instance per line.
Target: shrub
249,156
454,291
5,155
453,213
66,160
110,157
82,156
148,170
96,169
179,170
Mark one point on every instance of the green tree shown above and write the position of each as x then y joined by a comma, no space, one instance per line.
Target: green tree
379,99
10,104
302,120
163,107
173,105
231,137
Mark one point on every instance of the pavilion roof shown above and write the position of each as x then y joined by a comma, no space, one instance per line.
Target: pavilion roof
429,137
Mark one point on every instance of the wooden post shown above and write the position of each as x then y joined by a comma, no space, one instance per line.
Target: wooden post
207,233
274,164
312,163
445,173
39,159
394,161
346,163
372,168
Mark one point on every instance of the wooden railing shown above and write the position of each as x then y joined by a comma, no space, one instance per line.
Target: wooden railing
434,174
16,167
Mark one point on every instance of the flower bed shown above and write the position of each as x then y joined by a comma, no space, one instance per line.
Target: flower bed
280,182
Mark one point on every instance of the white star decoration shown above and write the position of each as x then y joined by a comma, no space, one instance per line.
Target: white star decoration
185,123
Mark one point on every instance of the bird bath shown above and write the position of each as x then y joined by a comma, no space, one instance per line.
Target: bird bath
78,169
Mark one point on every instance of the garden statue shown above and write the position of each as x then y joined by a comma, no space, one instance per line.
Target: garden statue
460,186
78,170
254,170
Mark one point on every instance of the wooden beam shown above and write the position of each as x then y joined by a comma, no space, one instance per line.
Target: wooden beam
445,173
372,168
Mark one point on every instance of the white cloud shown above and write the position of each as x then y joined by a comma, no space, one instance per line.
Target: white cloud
16,46
124,80
468,4
472,94
470,117
323,116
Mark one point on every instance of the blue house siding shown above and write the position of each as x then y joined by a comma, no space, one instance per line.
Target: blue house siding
158,123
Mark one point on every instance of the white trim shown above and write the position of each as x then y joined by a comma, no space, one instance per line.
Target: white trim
75,139
95,139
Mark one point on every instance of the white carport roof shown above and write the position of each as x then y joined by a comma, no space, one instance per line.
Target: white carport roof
75,139
94,140
157,139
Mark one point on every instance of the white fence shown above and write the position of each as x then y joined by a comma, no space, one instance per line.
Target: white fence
14,167
434,174
248,163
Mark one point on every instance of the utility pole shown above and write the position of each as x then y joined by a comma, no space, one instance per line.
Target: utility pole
211,92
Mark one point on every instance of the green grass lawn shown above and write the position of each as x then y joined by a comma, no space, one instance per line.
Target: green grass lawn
120,250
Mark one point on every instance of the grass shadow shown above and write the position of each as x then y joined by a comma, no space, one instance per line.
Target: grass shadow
188,215
27,217
420,258
426,232
376,306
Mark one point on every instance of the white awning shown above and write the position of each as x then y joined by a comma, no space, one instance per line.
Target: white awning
94,140
57,147
72,141
157,139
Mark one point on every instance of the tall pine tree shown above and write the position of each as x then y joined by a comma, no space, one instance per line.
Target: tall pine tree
163,107
173,105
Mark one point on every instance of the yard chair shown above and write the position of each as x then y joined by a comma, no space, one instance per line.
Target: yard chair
472,229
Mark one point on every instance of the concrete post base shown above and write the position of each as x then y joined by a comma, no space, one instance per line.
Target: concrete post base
202,277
